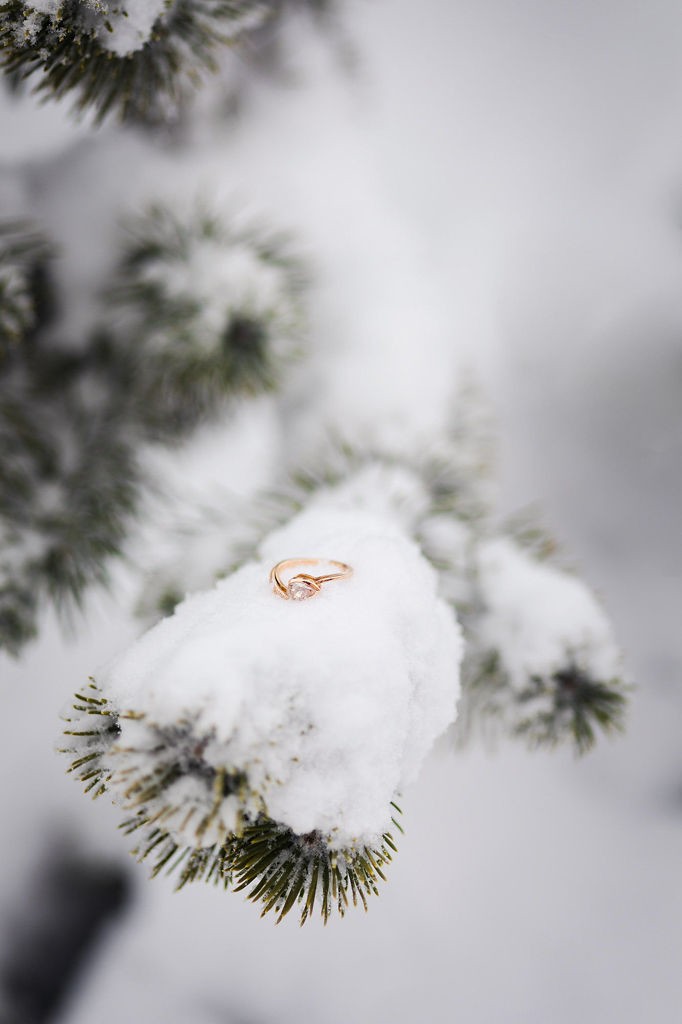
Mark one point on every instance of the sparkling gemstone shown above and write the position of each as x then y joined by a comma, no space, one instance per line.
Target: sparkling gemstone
299,590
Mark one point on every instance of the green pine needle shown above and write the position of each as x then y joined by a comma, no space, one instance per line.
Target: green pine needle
580,706
568,707
90,731
285,870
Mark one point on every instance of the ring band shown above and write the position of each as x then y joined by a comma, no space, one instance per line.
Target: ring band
302,585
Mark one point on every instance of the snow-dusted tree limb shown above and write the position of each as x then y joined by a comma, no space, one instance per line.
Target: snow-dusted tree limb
206,306
261,743
205,311
441,492
67,483
242,734
542,661
137,58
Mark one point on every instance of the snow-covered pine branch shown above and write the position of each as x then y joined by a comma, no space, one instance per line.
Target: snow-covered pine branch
68,481
206,309
137,58
542,663
264,742
206,306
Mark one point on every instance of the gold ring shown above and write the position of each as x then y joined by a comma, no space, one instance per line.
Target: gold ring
302,586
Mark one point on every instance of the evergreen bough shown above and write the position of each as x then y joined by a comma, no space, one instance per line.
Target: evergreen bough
68,483
280,869
205,309
72,420
564,705
67,48
24,253
67,472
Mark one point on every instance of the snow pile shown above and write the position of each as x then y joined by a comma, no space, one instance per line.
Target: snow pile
540,619
195,527
328,705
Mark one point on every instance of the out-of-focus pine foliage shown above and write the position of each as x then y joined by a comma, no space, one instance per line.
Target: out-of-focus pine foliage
67,50
67,481
569,703
565,707
23,255
204,309
72,418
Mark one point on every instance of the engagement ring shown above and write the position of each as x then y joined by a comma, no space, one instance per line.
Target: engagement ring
302,585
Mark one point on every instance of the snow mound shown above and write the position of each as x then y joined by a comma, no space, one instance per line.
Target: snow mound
328,705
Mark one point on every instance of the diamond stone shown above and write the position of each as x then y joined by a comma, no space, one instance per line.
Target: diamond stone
299,590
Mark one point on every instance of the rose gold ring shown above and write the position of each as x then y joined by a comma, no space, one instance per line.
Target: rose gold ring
302,586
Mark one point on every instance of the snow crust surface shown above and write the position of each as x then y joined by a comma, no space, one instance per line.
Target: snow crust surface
330,704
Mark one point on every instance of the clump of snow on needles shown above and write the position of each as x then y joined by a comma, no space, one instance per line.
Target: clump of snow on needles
130,24
123,28
540,618
331,704
221,278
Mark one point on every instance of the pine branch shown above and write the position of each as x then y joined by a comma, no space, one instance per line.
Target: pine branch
282,868
436,492
73,45
91,729
570,706
68,482
24,253
71,423
541,664
205,309
286,870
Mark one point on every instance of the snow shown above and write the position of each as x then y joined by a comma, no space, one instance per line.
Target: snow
123,28
539,618
330,705
224,277
198,512
531,160
131,23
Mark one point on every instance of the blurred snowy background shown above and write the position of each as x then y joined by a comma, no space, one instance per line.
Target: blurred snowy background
506,177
